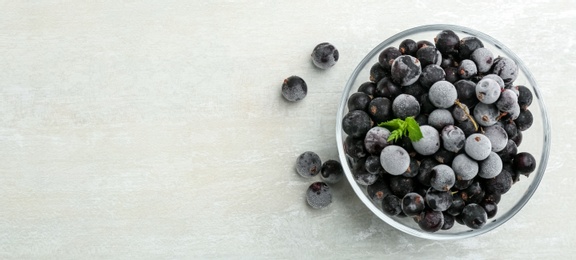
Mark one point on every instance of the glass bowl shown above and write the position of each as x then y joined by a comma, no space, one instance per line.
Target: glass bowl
536,139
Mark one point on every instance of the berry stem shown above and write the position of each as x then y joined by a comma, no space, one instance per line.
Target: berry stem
457,102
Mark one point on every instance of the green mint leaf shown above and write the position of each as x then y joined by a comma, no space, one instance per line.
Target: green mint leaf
393,124
414,132
394,136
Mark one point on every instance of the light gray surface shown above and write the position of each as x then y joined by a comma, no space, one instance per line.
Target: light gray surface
156,129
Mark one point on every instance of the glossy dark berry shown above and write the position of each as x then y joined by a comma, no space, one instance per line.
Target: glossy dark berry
447,42
491,209
524,120
473,194
319,195
387,56
308,164
524,163
499,184
388,89
331,171
377,72
424,43
358,101
431,74
416,90
368,88
429,55
356,123
524,97
378,190
325,55
457,205
448,221
438,200
451,74
430,221
380,109
354,147
400,185
468,45
294,88
413,169
373,165
361,175
391,205
408,47
425,171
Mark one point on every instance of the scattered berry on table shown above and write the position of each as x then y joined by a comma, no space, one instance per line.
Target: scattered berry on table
325,55
294,88
319,195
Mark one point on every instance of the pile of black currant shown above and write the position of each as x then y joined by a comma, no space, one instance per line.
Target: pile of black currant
309,164
471,117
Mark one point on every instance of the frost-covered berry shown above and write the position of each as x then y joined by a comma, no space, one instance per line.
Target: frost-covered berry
478,146
506,101
486,114
319,195
483,58
294,88
439,118
467,69
497,136
325,55
406,70
453,138
506,68
488,91
430,141
331,171
395,159
442,177
356,123
308,164
491,166
442,94
405,105
464,167
376,139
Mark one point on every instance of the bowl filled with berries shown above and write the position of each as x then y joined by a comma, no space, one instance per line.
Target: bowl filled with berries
442,132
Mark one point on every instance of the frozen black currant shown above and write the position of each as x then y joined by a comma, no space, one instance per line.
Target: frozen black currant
491,209
400,185
308,164
451,74
319,195
324,55
483,58
524,120
391,205
376,139
486,114
524,97
387,56
438,200
474,216
442,94
380,109
373,165
453,138
468,45
378,190
377,72
430,220
478,146
331,171
488,91
294,88
466,92
425,171
405,105
439,118
430,141
368,88
524,163
447,42
490,167
354,147
429,55
442,177
499,184
506,68
457,205
431,74
358,101
413,169
464,167
388,89
467,69
356,123
448,221
361,175
497,136
412,204
395,159
406,70
408,47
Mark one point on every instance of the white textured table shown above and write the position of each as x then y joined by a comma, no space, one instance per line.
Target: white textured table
156,129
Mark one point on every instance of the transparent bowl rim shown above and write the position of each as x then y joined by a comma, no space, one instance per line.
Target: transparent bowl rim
538,175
